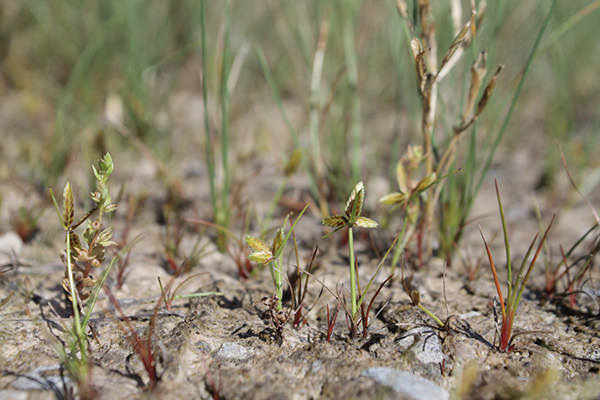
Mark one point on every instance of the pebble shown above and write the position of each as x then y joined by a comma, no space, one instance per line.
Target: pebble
407,384
427,349
233,351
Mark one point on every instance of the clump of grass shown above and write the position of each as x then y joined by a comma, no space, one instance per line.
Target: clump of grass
272,255
350,219
515,285
219,188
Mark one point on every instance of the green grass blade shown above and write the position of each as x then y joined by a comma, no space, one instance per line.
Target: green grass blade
224,92
515,98
210,161
506,242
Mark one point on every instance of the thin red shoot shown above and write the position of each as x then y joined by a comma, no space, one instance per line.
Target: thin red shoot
142,346
331,322
495,274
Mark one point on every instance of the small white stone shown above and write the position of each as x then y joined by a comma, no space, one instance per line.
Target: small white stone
409,385
233,351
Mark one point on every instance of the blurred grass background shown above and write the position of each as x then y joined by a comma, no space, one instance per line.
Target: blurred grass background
62,61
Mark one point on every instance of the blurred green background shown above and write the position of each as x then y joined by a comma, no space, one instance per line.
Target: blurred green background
64,62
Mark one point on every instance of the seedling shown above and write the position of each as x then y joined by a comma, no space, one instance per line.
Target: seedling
169,294
364,312
349,219
299,289
515,286
142,345
415,298
271,256
331,321
81,287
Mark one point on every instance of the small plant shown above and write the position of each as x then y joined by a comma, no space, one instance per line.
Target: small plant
408,197
142,345
298,288
349,219
573,271
81,260
515,286
331,321
415,298
169,294
271,256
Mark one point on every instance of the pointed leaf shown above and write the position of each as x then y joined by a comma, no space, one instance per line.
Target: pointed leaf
335,221
105,165
257,244
365,222
277,240
393,198
261,257
426,182
401,177
355,202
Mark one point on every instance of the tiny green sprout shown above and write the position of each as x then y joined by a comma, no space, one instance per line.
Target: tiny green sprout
349,219
263,254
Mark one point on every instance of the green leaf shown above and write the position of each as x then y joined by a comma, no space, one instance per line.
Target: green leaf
393,198
426,182
401,178
261,257
365,222
257,244
105,166
355,202
336,221
278,240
